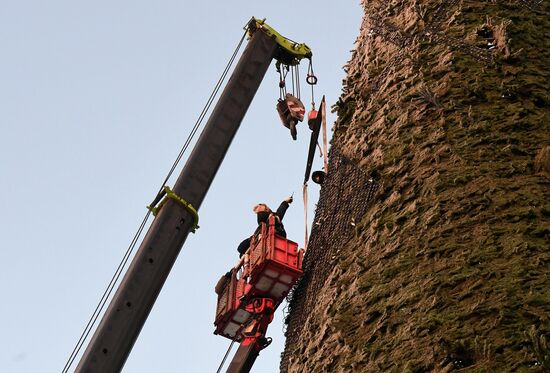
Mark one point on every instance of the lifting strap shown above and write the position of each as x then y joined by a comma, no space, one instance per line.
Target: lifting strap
306,236
324,125
169,194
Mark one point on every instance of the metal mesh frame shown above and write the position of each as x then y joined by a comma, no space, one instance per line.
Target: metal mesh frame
344,199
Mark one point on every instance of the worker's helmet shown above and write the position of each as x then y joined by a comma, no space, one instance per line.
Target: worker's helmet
262,212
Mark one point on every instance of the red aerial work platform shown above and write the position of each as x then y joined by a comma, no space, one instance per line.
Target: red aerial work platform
250,293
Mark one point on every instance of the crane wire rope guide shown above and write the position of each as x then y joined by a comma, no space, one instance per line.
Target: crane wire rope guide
134,298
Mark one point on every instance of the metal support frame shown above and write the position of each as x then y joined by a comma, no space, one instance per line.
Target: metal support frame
253,336
290,52
244,358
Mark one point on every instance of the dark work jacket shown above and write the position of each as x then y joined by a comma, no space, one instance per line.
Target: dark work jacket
279,228
279,215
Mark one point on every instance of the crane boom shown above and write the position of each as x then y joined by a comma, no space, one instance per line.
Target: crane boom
126,314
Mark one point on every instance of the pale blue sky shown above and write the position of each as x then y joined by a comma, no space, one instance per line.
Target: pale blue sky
96,99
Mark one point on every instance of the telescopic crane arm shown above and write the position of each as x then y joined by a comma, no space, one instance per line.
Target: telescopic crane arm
126,314
254,339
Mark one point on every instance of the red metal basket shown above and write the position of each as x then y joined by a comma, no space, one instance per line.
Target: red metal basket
270,268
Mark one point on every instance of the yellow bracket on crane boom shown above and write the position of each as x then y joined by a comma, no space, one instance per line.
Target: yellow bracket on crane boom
290,52
169,194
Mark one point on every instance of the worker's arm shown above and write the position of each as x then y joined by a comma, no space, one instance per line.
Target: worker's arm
283,207
243,246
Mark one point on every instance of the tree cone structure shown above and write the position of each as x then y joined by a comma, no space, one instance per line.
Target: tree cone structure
430,247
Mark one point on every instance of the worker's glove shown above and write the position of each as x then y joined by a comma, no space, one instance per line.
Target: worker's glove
289,200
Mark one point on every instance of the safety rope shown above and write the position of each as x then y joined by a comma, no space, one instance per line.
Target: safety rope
116,276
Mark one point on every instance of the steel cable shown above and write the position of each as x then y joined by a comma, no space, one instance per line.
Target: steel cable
225,356
114,279
105,296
